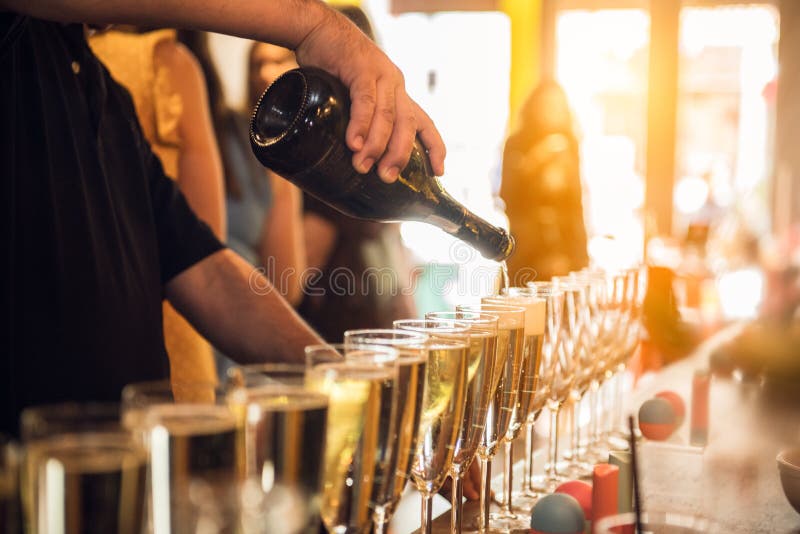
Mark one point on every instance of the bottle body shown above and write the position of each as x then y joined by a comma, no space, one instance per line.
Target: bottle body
298,131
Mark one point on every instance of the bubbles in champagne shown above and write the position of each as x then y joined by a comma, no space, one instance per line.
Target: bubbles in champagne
359,420
442,413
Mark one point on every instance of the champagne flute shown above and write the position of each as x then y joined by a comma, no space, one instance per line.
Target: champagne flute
83,473
362,392
550,379
449,327
196,452
562,369
533,333
285,426
411,366
505,383
441,420
577,297
635,287
612,332
481,362
599,287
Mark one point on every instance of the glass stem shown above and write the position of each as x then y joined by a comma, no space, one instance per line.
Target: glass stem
576,430
508,474
594,406
427,514
380,520
527,477
456,504
486,475
618,379
608,406
553,448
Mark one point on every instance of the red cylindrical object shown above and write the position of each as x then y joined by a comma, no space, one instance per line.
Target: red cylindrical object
605,482
699,425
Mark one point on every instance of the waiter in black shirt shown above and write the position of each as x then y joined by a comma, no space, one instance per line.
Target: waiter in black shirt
95,235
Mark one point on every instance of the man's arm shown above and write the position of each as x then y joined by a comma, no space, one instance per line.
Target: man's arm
238,310
384,119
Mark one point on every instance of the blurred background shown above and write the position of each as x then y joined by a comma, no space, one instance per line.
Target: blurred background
685,134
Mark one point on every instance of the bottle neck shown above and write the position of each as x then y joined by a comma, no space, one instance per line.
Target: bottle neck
492,242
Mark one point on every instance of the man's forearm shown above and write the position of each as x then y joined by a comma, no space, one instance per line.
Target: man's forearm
283,22
236,308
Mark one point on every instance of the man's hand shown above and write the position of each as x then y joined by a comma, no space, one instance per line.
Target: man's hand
384,120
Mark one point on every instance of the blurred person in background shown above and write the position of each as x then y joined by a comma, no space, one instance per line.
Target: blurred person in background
542,187
172,105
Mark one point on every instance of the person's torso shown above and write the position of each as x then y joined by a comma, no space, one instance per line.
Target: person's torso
80,265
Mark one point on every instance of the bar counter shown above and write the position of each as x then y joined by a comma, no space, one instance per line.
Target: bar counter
733,481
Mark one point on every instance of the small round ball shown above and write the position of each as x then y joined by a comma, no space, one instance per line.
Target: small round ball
677,403
657,419
557,513
582,491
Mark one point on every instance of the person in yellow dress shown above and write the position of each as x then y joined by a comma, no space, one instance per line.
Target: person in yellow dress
169,94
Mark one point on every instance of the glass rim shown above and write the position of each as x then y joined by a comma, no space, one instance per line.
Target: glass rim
411,337
155,386
286,375
547,287
73,417
389,354
155,415
472,317
514,300
458,327
527,291
500,308
278,367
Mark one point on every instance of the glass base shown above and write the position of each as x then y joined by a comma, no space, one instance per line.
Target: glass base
522,502
550,483
503,522
576,470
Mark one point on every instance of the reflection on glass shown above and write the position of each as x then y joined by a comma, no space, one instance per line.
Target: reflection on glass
505,382
481,362
285,425
362,392
196,453
533,333
411,369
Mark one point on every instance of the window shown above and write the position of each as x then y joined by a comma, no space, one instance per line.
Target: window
601,62
726,93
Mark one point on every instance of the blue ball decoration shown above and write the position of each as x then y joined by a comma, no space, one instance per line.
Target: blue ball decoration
657,411
557,513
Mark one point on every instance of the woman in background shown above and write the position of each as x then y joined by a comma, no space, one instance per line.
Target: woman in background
169,95
264,211
542,187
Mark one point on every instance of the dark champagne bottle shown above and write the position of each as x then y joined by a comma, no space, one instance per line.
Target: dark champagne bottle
298,131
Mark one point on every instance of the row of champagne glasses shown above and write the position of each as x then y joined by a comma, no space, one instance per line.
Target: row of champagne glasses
339,437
